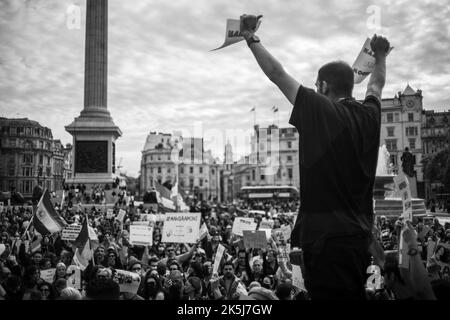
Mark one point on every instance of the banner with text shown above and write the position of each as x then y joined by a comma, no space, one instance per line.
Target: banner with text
241,224
181,227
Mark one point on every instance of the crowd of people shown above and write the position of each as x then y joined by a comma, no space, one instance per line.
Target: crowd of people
170,271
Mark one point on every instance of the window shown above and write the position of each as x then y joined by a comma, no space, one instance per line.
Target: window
159,180
27,186
191,169
12,130
159,169
390,131
41,144
200,169
11,171
40,171
168,157
289,158
397,117
191,182
213,172
27,172
290,175
263,177
200,181
390,117
411,131
168,170
182,170
411,117
159,157
393,159
391,145
41,159
289,144
27,158
48,161
151,158
412,143
253,174
49,171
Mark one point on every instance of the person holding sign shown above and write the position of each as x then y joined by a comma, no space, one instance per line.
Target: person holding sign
338,150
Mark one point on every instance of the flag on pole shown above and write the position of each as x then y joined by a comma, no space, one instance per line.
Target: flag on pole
85,243
46,219
177,198
163,196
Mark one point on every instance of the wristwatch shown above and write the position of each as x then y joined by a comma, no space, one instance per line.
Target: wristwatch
413,252
252,39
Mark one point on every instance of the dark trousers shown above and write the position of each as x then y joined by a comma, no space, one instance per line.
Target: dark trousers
338,270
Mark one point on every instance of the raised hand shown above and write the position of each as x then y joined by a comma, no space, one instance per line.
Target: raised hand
380,45
249,24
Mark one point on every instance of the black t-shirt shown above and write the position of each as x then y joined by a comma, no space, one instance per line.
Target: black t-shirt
338,151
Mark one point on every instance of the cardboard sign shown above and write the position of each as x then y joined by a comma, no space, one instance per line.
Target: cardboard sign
181,227
70,233
74,279
241,224
121,215
48,275
141,235
255,239
128,281
218,258
402,185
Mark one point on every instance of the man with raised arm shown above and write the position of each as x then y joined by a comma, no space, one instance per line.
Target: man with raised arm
338,151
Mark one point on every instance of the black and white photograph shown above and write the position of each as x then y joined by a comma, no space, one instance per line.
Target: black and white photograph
237,153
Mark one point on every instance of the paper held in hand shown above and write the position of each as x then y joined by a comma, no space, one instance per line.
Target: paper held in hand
141,235
402,185
218,258
232,33
365,62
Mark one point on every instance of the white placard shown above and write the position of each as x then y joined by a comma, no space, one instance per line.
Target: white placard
181,227
241,224
266,224
128,281
121,215
141,235
48,275
70,233
218,258
402,185
109,213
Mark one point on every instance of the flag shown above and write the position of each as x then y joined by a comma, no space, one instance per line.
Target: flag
85,243
35,245
163,196
46,220
177,198
275,109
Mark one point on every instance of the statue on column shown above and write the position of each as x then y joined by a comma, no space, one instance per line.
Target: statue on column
408,163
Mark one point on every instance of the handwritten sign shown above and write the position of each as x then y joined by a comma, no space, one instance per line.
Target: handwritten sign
141,235
128,281
74,279
181,227
71,232
121,215
241,224
255,239
48,275
109,213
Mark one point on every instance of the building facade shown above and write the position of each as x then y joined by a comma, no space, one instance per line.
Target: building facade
401,127
272,145
197,171
28,157
435,138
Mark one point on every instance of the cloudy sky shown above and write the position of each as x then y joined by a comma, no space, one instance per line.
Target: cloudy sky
163,77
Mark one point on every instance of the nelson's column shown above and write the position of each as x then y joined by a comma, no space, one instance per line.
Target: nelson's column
94,132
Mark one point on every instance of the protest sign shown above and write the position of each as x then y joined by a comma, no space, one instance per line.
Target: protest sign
255,239
241,224
218,258
128,281
121,215
141,235
203,231
181,227
71,232
1,207
232,33
74,279
286,231
109,213
364,63
430,249
2,248
48,275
